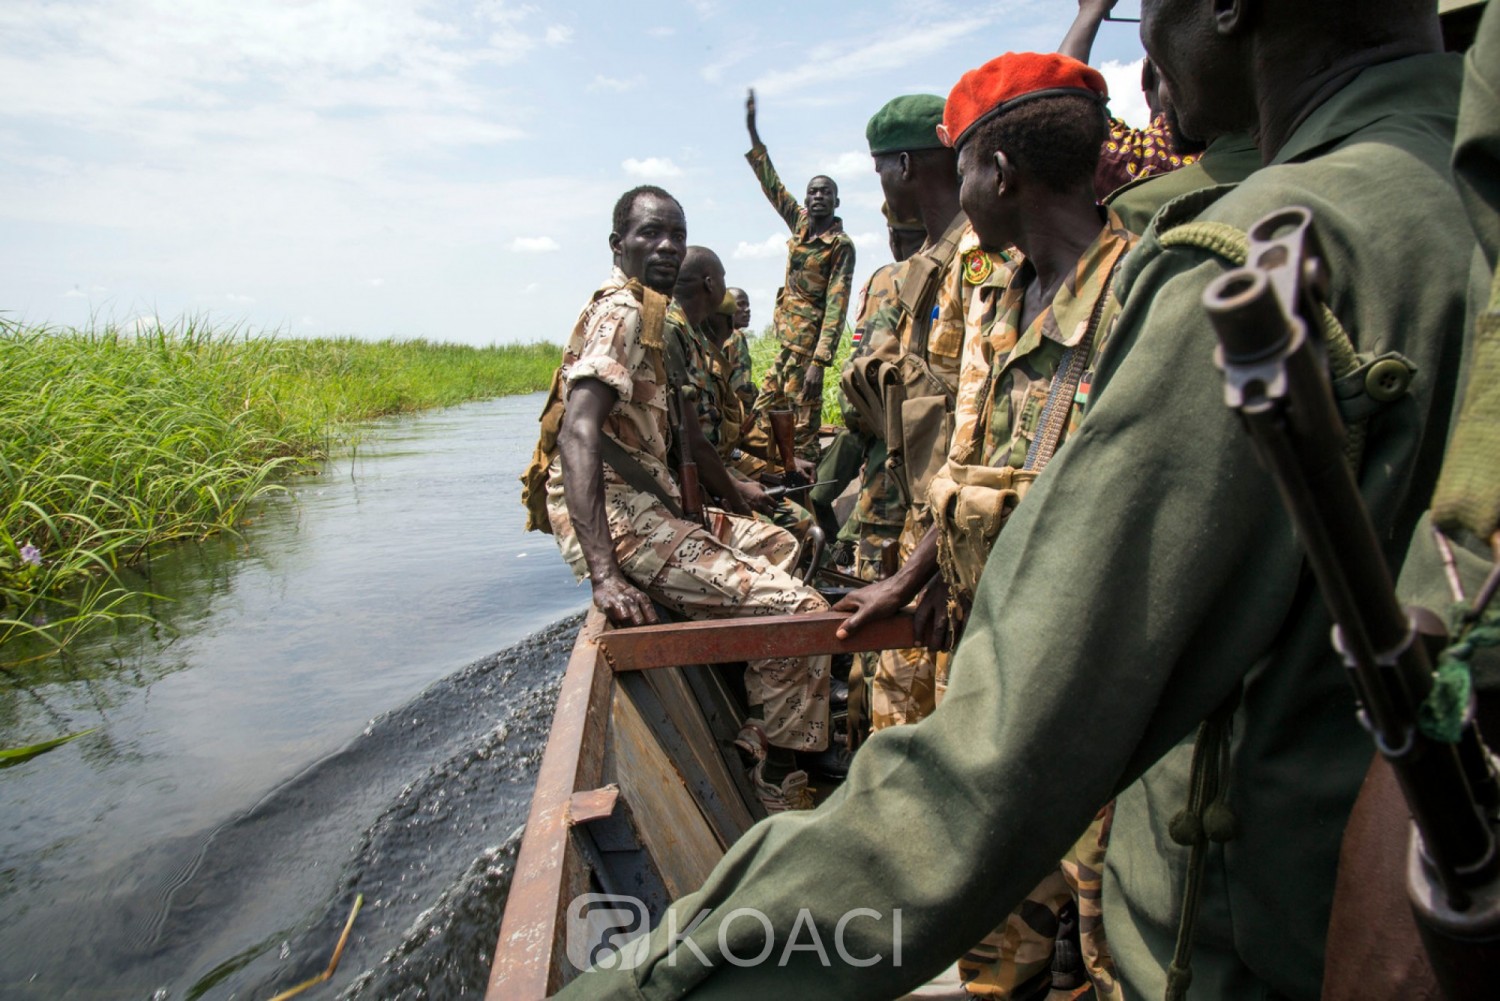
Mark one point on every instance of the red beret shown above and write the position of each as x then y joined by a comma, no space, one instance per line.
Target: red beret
1012,79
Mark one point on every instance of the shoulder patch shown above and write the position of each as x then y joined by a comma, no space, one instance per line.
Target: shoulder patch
977,266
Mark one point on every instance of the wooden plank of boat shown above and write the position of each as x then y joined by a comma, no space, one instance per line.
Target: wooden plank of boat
672,789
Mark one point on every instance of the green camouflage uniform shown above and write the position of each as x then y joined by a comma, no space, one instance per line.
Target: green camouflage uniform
1007,380
742,379
1150,574
810,308
909,683
733,567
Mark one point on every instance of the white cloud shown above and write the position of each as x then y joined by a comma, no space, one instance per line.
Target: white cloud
661,31
890,50
865,241
1125,98
237,298
76,293
558,34
531,287
772,246
616,84
374,282
652,168
847,164
534,245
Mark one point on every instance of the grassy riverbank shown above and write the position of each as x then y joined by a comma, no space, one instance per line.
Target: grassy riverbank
763,350
112,442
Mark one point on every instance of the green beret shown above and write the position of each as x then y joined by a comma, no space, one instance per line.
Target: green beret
906,123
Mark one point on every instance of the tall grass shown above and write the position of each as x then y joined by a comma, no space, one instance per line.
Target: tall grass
112,442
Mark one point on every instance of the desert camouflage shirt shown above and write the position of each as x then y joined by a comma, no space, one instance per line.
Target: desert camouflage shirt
814,300
1008,372
607,344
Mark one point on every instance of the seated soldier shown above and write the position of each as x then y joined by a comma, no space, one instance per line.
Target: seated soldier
617,511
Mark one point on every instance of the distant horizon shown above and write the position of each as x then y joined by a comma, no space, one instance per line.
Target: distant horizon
441,171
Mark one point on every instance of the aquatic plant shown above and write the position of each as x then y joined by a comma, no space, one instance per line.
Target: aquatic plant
113,441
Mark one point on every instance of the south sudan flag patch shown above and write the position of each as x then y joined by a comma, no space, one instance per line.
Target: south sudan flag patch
977,266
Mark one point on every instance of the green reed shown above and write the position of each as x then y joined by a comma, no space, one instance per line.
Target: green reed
112,442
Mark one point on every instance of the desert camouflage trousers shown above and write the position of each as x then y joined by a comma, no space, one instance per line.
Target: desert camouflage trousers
1021,949
786,384
741,566
905,686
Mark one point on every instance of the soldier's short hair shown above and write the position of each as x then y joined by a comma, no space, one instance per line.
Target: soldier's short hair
626,204
1053,140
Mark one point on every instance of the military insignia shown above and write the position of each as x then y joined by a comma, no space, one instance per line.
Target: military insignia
977,266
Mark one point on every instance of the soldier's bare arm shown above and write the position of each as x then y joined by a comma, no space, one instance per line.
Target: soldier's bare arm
589,403
885,599
1079,41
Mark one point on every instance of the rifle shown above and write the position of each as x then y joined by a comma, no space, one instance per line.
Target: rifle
687,468
783,429
1275,377
776,493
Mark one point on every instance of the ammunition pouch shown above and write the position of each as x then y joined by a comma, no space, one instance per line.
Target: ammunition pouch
969,506
864,381
534,480
918,425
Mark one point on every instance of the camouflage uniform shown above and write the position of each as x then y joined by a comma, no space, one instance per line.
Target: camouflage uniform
1006,382
810,308
1130,154
908,683
742,379
733,567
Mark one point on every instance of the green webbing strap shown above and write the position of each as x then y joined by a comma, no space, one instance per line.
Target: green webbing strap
632,472
1468,490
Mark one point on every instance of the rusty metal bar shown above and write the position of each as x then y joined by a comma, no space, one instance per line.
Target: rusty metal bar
725,640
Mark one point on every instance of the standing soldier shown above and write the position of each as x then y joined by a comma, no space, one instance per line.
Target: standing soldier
814,299
1027,367
930,318
737,350
618,513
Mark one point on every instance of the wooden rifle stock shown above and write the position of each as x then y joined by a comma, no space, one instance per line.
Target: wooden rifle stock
783,430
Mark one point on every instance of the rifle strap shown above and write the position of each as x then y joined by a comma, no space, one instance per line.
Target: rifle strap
633,473
919,280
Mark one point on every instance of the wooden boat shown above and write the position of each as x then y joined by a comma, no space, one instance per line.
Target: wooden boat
640,790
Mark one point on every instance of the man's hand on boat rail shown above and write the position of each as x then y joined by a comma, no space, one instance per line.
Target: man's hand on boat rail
879,601
622,602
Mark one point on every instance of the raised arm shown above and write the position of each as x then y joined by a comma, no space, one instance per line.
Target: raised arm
782,200
1079,41
589,403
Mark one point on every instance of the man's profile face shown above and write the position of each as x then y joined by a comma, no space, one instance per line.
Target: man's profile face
1194,65
741,309
978,193
654,241
899,192
822,197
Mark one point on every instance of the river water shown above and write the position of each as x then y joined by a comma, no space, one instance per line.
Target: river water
345,702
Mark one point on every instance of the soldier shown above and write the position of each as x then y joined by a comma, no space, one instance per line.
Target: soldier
617,511
737,349
919,177
1028,184
813,302
1151,579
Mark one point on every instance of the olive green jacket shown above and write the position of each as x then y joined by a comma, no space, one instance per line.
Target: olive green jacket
1150,573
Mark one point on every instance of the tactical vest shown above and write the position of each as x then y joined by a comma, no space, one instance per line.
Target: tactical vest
670,371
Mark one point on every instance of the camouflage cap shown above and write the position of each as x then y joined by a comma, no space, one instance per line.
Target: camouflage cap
906,123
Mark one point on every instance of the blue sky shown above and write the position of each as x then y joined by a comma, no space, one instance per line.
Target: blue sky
444,170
